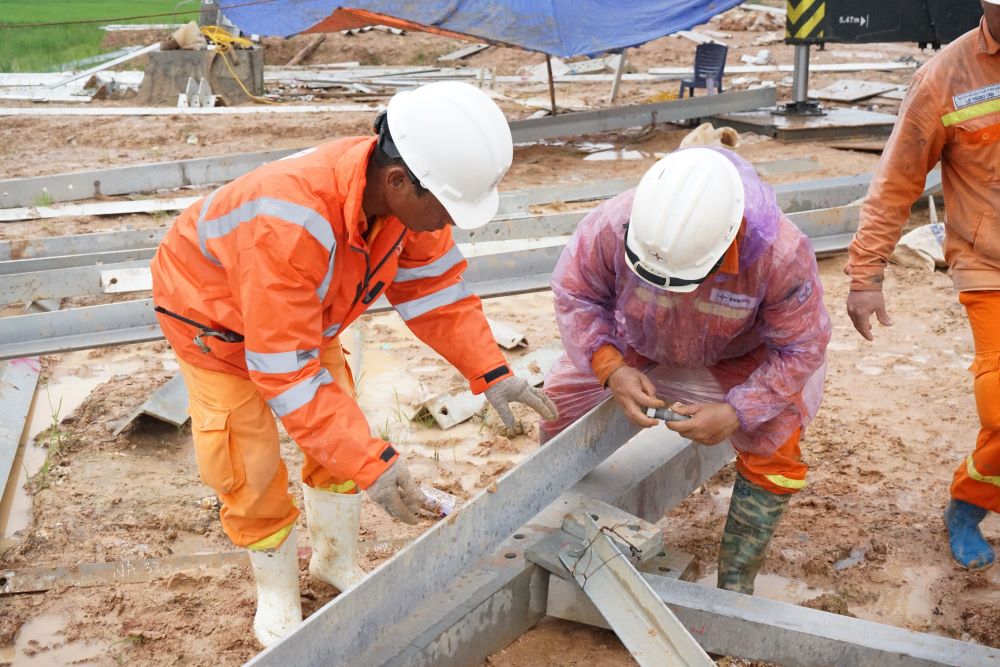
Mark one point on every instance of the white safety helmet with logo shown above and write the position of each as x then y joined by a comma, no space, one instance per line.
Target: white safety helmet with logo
457,143
686,212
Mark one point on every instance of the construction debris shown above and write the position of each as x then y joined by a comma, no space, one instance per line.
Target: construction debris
707,135
852,90
307,50
463,52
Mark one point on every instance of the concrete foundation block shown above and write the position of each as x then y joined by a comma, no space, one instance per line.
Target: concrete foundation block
168,72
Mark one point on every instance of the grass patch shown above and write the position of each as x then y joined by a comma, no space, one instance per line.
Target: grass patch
44,49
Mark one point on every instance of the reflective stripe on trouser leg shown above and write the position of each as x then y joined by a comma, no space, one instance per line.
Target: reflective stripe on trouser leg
313,474
238,455
782,472
977,477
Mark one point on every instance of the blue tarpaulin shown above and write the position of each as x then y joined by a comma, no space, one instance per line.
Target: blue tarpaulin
558,27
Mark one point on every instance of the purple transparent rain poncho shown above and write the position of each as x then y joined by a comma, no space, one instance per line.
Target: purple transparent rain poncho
756,340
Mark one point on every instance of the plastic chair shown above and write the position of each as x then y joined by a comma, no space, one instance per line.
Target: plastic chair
709,65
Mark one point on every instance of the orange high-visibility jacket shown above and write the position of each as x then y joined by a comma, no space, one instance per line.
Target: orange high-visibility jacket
279,256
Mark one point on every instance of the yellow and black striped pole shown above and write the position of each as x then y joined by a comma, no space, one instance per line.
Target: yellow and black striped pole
805,24
805,21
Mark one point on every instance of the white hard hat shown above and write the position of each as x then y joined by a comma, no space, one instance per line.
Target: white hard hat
686,212
457,143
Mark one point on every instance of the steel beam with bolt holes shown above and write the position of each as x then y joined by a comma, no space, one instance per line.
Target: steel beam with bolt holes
464,609
755,628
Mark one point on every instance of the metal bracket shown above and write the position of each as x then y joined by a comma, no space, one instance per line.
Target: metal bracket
197,94
649,630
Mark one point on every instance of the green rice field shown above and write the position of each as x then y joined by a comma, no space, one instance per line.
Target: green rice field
45,48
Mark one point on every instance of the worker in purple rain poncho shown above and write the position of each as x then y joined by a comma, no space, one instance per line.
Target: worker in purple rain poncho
695,289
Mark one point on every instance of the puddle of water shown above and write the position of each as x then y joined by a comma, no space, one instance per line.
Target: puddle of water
67,386
856,557
910,601
70,381
40,642
773,587
15,511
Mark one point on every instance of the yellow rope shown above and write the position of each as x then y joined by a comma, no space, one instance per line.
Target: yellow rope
224,41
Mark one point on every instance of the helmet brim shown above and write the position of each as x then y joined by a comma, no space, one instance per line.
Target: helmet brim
472,216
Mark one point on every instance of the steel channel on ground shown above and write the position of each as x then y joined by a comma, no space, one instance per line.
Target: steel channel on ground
134,321
476,613
220,169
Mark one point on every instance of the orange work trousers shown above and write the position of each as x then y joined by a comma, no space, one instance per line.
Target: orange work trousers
782,472
977,479
239,455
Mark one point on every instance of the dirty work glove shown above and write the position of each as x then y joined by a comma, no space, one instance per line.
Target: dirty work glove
517,390
396,493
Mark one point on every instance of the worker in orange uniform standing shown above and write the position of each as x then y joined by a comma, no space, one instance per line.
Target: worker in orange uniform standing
951,114
695,288
253,284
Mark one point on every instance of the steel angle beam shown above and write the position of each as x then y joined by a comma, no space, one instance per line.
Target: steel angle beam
169,404
619,118
786,634
132,179
368,613
80,244
649,630
517,228
834,192
827,221
58,283
78,329
37,264
501,596
18,380
96,208
112,247
519,200
135,322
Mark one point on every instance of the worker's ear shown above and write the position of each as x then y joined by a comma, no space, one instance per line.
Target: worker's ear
396,177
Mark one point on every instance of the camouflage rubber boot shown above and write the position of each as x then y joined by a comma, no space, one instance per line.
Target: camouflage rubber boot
753,515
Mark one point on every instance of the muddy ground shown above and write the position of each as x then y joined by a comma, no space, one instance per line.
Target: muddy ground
865,537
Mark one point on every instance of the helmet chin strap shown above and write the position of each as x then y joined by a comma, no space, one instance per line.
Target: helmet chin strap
660,281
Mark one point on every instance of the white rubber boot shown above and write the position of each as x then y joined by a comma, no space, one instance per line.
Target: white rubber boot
334,520
279,610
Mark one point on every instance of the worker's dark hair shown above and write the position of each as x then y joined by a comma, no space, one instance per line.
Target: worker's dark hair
387,154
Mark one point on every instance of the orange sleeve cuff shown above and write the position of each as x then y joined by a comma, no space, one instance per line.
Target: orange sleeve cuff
374,468
606,361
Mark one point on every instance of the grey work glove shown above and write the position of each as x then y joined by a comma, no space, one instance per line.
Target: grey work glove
396,493
517,390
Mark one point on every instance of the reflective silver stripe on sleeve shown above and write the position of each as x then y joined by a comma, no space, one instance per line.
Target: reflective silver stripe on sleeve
303,216
324,286
331,330
425,304
298,395
206,203
432,269
280,362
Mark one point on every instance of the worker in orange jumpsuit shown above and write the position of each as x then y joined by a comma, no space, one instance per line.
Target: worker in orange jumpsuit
254,283
951,114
